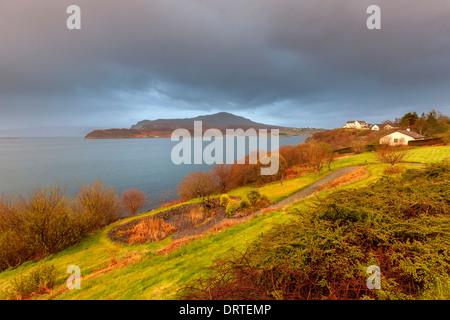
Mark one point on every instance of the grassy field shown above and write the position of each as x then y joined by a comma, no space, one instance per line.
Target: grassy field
149,275
427,154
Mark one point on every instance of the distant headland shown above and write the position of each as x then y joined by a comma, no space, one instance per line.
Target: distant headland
163,128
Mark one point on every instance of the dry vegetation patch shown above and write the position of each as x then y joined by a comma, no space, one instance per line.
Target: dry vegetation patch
149,230
177,244
352,176
179,220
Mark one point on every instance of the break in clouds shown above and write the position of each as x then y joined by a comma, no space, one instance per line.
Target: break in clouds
285,62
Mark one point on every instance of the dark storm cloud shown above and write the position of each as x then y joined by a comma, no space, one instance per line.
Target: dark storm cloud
309,63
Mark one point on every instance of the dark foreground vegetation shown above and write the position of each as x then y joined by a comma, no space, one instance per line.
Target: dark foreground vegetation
401,225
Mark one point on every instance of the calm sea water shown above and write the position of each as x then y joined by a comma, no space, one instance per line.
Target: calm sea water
143,164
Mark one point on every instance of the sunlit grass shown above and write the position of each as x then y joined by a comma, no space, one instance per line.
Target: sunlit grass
159,277
428,154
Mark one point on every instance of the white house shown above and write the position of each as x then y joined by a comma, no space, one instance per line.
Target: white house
375,127
356,125
388,127
400,138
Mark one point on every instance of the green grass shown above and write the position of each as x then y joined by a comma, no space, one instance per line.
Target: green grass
428,154
159,277
277,192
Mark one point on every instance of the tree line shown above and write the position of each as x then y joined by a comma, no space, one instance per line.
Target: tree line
429,124
224,177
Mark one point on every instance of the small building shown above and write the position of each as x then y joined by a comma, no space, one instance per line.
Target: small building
400,137
375,127
388,127
356,125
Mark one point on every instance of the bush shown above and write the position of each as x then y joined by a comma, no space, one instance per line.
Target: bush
34,226
100,204
320,154
261,179
224,199
391,154
197,184
232,207
244,204
149,230
292,155
38,281
253,196
223,174
133,200
438,171
394,170
48,221
263,202
241,174
429,141
359,146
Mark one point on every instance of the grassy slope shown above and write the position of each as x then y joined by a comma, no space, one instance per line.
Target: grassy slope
428,154
159,277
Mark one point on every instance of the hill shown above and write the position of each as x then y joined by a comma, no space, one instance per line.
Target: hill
163,128
344,138
221,120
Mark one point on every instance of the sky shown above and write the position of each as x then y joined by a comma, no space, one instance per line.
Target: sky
295,63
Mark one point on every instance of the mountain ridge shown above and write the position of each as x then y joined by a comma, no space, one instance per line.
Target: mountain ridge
221,120
163,128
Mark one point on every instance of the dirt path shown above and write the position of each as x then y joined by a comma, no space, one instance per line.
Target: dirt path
309,190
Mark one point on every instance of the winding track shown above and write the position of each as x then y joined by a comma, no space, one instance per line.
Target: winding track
309,190
303,193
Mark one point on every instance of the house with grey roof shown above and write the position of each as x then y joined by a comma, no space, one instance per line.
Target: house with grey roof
401,137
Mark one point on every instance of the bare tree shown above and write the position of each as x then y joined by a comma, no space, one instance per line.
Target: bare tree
223,174
421,125
330,158
319,154
279,175
100,203
292,155
390,154
198,184
359,146
133,200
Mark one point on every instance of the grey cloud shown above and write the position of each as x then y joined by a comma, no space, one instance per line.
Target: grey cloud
283,61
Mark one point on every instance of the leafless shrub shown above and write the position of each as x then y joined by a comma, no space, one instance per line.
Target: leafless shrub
197,184
319,154
48,220
133,200
390,154
100,204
